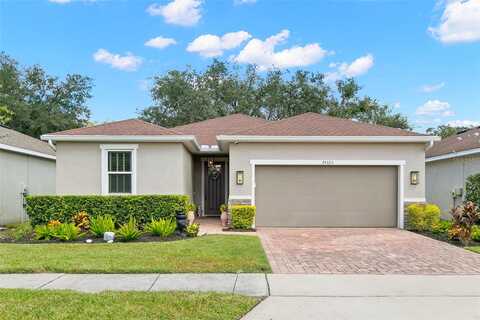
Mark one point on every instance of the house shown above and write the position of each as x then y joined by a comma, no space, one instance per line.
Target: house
27,166
448,164
307,170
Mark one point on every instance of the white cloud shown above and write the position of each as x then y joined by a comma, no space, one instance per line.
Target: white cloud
435,107
460,22
397,105
209,45
463,123
128,62
262,53
180,12
160,42
358,67
432,87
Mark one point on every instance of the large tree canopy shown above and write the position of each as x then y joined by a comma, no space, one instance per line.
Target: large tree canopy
35,103
187,96
445,131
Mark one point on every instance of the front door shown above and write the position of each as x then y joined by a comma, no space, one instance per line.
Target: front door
214,186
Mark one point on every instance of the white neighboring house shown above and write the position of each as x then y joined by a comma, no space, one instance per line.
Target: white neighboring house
27,166
448,164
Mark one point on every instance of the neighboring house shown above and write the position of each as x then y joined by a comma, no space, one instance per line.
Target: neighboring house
448,164
27,166
307,170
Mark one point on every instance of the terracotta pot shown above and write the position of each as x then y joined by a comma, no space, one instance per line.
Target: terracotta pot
224,219
190,217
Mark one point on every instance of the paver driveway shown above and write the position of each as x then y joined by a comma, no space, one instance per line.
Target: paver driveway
363,251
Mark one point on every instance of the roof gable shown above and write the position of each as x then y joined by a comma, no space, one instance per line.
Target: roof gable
315,124
130,127
207,130
467,140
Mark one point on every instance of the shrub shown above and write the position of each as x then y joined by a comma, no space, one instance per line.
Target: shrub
472,189
129,231
101,224
191,207
21,231
42,209
44,232
464,218
67,232
422,217
162,227
442,227
476,233
242,216
192,230
82,220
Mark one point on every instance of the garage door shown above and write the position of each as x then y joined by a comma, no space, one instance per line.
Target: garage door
326,196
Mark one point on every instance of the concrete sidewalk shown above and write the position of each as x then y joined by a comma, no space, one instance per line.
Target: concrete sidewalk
242,283
291,296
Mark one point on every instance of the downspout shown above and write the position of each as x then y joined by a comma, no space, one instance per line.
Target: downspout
50,143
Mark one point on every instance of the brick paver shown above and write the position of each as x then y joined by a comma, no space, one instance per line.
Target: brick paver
363,251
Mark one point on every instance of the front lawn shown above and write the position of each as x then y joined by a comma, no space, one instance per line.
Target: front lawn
215,253
48,304
475,249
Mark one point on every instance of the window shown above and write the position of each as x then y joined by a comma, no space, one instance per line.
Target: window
119,169
119,172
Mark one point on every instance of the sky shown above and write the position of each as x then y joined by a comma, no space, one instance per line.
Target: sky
420,57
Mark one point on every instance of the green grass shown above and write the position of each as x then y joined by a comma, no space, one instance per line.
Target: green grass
232,253
47,304
475,249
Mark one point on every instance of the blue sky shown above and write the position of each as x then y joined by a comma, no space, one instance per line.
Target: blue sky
420,57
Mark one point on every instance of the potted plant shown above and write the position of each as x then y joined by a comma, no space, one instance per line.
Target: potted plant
224,215
191,209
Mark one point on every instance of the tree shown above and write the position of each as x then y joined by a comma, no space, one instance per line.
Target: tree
445,131
187,96
40,103
5,115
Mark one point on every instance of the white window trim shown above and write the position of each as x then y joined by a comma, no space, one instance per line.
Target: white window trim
400,164
118,147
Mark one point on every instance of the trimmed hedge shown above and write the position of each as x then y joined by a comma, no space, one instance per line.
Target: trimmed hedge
242,216
143,208
472,189
422,217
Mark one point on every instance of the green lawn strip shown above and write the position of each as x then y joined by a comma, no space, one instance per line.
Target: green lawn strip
55,304
215,253
475,249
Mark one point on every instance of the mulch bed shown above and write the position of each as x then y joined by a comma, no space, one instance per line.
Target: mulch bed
143,238
444,237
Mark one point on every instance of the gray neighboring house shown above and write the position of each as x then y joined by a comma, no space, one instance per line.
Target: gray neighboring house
448,164
26,165
309,170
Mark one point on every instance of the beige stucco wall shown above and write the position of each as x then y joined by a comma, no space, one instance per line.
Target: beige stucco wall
412,153
19,171
162,168
444,176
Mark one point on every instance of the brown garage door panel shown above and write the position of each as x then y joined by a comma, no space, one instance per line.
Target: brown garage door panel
326,196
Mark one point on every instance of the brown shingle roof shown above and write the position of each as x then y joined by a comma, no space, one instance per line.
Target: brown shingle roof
461,142
314,124
206,131
19,140
131,127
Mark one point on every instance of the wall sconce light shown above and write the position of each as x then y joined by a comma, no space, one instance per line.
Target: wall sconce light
239,177
414,177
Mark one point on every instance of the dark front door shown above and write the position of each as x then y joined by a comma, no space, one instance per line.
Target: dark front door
214,186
